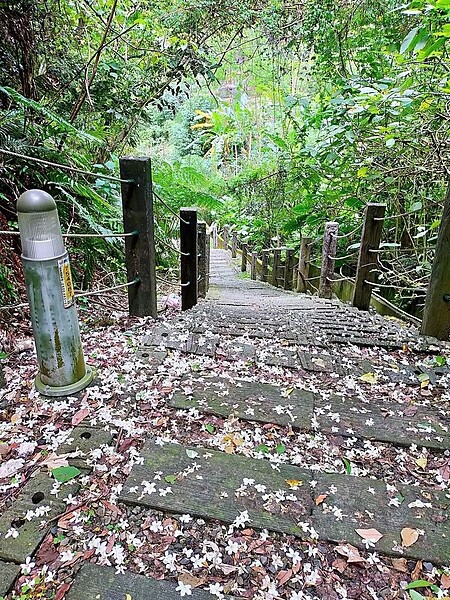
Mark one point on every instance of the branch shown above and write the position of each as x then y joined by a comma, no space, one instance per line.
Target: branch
76,109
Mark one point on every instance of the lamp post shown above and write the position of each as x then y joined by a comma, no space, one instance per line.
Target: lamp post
62,370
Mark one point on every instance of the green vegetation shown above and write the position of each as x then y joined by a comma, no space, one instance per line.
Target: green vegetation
272,116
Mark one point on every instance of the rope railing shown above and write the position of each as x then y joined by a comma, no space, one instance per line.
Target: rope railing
279,268
170,246
48,163
172,283
387,217
392,286
169,208
85,235
348,234
81,294
140,256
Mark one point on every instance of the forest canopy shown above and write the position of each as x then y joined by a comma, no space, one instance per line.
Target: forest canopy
271,116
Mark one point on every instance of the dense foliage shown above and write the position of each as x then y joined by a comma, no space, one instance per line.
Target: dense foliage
273,116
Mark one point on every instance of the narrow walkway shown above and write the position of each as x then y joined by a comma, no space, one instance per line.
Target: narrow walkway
290,442
331,377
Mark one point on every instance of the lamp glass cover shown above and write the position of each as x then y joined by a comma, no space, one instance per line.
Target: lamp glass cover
40,234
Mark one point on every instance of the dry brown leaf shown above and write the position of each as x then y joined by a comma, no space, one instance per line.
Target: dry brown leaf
79,416
421,462
444,471
350,552
62,589
339,564
4,449
227,569
191,580
284,576
321,498
445,581
400,565
409,536
53,461
372,535
417,571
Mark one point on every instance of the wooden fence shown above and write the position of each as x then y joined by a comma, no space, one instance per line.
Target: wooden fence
295,269
138,197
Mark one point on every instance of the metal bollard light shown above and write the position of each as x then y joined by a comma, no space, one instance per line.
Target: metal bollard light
62,370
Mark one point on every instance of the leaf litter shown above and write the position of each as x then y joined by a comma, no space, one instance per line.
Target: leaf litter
195,553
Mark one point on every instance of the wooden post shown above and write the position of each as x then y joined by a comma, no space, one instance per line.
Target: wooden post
244,258
234,242
328,256
288,269
367,260
214,235
436,314
275,265
201,242
137,207
265,264
253,265
189,264
294,271
303,263
225,236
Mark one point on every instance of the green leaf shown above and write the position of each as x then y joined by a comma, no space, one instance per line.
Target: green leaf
262,448
63,474
191,453
362,172
423,377
390,142
419,583
280,449
443,3
278,141
408,41
3,355
416,596
52,117
347,465
210,428
170,479
440,361
415,207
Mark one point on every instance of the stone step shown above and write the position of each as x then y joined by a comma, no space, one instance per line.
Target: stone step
94,582
8,575
246,492
384,421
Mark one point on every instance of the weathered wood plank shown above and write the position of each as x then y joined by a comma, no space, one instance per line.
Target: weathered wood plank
251,401
402,425
35,493
8,574
207,486
86,439
102,583
361,503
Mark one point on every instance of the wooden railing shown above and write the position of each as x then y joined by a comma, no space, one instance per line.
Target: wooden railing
141,241
294,269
